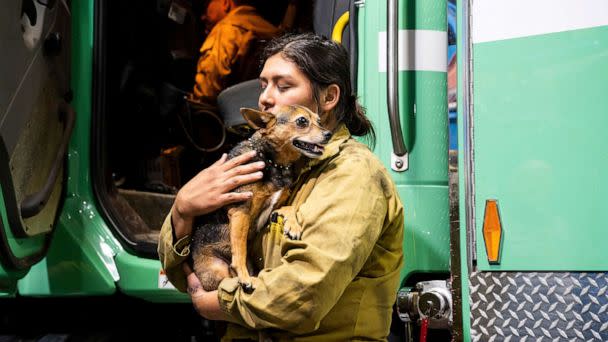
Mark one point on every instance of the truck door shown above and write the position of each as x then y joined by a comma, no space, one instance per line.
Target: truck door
533,188
36,122
410,117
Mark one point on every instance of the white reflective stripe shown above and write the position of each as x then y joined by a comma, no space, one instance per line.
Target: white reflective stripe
497,20
418,50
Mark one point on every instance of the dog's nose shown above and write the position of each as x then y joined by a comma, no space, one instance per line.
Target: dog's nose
327,135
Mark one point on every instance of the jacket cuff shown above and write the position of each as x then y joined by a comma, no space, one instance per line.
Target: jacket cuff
182,246
226,294
172,255
233,302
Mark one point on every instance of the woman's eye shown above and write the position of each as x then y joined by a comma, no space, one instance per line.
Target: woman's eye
263,86
283,87
301,122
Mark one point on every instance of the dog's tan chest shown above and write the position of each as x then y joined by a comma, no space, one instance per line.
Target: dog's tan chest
269,206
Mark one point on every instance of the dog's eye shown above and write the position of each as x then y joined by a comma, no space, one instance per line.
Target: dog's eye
302,122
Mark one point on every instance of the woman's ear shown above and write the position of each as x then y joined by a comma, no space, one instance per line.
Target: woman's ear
330,97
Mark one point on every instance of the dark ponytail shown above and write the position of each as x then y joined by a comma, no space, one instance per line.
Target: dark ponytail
325,62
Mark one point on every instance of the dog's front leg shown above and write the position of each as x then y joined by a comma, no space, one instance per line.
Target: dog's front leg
239,230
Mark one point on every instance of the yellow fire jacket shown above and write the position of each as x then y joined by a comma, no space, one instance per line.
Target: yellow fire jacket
339,282
224,55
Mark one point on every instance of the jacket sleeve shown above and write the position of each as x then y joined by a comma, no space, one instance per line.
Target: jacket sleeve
342,219
172,255
218,56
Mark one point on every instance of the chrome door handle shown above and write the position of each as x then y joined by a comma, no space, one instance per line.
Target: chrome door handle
399,157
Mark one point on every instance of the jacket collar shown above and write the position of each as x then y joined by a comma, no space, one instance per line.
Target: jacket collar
341,134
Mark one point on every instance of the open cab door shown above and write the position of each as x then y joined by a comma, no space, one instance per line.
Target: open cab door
36,122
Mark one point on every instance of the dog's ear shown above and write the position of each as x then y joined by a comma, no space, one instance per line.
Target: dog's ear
256,119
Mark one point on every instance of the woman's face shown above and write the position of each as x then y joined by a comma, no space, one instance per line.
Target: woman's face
284,84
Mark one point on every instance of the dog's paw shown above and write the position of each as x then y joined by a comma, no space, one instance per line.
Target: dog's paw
293,233
247,286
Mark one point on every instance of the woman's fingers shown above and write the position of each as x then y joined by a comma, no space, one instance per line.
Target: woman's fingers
233,197
239,160
221,161
236,181
195,288
213,187
247,168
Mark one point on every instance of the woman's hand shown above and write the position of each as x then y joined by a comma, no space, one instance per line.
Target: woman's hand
213,188
206,303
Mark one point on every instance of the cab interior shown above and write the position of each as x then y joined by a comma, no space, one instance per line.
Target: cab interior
147,141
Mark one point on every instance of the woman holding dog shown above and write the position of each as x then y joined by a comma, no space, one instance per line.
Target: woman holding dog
340,281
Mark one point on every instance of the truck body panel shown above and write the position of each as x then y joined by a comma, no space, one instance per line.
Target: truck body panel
531,112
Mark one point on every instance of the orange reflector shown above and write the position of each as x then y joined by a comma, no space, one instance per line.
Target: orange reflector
492,231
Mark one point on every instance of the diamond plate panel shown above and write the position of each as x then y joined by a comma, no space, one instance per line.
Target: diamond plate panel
535,306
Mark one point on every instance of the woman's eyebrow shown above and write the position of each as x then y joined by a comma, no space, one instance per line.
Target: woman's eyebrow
276,78
281,77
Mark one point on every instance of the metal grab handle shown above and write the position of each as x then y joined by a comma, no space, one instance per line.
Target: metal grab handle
353,32
34,203
399,158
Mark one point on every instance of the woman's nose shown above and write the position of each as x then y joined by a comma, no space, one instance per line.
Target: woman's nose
266,101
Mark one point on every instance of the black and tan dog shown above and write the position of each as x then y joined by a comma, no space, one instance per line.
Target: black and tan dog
219,246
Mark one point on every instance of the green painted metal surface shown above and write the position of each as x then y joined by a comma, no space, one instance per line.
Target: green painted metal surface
79,176
29,136
423,188
80,258
539,113
425,247
461,47
21,247
540,121
140,278
85,258
8,277
417,14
